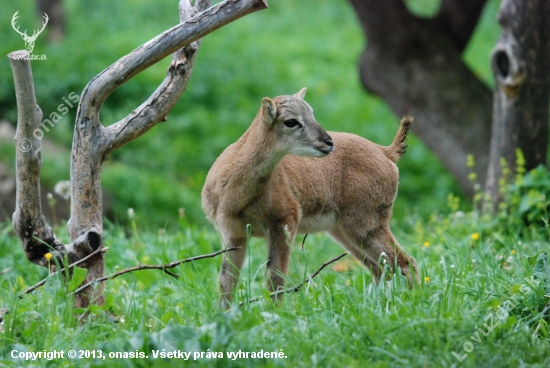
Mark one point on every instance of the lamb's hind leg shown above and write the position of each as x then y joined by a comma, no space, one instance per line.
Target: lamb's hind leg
407,264
356,251
368,246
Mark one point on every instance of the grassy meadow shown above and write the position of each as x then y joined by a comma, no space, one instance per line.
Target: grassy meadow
485,278
483,299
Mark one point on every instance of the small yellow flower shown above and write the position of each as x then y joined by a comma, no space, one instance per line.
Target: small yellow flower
48,256
475,236
513,251
426,244
426,279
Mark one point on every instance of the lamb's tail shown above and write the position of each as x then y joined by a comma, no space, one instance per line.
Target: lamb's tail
398,147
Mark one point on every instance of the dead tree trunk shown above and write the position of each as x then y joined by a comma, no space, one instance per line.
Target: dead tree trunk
521,65
93,142
28,221
415,65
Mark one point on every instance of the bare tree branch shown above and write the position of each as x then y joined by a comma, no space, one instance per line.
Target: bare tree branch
297,287
154,267
92,142
161,46
159,104
68,268
99,88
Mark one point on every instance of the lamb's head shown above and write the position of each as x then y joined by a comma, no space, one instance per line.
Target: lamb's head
290,122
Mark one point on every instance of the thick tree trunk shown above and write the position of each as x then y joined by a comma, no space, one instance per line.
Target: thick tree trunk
415,65
521,64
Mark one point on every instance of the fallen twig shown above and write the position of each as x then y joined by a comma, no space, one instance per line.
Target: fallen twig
297,287
70,267
154,267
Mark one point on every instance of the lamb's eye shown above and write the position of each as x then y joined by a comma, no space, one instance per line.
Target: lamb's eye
291,123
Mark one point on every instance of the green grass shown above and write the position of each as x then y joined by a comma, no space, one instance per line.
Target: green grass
472,265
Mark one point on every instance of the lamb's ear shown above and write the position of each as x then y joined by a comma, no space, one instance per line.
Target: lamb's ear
301,94
268,112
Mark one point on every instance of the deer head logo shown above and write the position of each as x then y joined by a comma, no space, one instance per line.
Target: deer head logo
29,40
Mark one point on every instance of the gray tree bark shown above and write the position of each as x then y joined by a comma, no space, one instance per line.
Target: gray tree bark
415,65
92,142
521,65
38,239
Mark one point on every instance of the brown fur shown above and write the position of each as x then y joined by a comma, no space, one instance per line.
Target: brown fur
349,193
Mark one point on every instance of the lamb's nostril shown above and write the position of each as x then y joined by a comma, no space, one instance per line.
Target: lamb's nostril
329,142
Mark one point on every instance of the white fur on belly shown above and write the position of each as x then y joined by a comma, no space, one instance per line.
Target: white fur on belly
313,224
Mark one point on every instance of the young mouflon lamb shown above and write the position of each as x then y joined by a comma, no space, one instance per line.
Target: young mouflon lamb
287,175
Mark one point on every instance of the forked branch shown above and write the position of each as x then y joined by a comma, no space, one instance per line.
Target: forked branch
99,88
64,269
163,268
159,104
92,142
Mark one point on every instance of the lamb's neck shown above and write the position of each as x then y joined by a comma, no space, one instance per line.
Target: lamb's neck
256,160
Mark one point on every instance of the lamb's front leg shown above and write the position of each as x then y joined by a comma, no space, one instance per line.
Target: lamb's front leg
279,238
231,269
